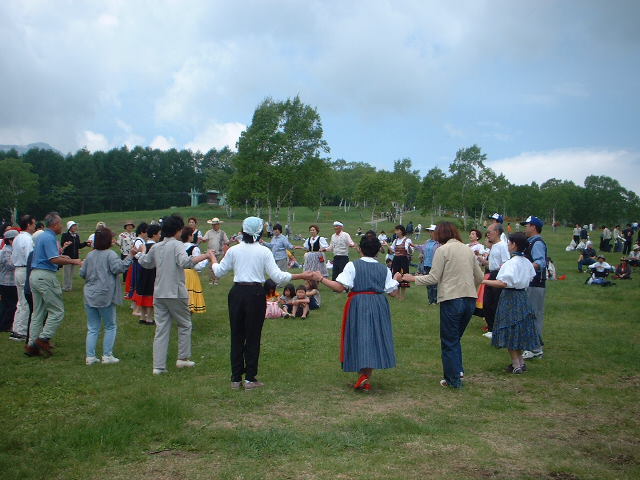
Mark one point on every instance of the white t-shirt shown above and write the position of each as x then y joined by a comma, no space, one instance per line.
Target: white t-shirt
249,263
498,255
517,272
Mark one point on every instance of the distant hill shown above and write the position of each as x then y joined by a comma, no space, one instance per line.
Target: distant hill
22,149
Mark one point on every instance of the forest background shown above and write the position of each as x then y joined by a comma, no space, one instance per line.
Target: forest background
282,161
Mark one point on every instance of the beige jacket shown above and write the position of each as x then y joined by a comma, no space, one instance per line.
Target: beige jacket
455,271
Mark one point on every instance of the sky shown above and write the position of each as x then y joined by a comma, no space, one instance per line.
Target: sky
545,88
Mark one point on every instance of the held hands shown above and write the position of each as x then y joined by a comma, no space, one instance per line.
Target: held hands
407,277
65,245
398,277
212,257
316,276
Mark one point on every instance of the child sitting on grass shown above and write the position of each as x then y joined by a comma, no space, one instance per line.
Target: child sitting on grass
274,309
311,288
301,302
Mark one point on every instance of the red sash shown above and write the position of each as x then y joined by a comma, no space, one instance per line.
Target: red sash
345,316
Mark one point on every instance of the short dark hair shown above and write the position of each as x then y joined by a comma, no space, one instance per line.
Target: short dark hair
186,233
39,225
478,233
153,230
142,228
25,221
369,245
401,228
192,218
445,231
269,286
315,226
246,238
301,287
520,239
171,224
278,227
289,287
102,239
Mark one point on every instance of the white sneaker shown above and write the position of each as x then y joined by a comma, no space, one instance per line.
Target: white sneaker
159,371
488,335
91,360
185,363
109,359
527,355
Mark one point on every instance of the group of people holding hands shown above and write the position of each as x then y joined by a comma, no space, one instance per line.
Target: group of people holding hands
366,333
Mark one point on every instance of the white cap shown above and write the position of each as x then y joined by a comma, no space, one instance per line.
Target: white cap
338,224
70,224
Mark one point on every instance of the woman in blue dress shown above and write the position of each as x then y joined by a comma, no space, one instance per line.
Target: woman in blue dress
514,325
367,336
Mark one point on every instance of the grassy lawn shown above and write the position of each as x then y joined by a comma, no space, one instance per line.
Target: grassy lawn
574,415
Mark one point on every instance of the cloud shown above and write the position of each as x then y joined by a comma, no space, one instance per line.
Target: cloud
571,164
162,143
93,141
452,131
217,135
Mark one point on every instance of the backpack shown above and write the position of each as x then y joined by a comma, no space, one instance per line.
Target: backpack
273,310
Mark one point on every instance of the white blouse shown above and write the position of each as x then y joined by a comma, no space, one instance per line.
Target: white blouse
516,272
348,275
408,244
194,253
311,240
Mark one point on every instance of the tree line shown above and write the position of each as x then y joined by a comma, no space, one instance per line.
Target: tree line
282,161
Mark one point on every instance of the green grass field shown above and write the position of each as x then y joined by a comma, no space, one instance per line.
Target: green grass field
574,415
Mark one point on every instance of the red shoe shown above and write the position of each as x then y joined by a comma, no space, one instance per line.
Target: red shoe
362,382
366,387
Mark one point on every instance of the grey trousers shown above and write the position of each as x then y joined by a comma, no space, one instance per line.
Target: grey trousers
166,310
283,264
536,299
21,317
47,303
67,272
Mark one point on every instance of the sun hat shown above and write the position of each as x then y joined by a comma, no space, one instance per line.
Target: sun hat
10,234
70,224
215,221
253,226
129,222
431,228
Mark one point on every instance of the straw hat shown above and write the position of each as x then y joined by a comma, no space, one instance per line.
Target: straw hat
215,221
129,222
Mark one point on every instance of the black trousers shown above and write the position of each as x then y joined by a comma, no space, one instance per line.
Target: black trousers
490,302
339,262
627,248
247,308
9,302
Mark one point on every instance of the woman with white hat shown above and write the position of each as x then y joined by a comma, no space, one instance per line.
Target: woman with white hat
71,245
250,262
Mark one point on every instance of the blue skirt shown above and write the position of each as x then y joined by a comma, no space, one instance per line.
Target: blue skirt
368,334
514,326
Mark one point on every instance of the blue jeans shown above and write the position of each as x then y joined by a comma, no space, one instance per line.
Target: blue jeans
95,318
454,317
585,262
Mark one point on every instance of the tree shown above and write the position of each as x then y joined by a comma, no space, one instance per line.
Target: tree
432,192
218,169
20,185
468,175
376,191
282,139
408,180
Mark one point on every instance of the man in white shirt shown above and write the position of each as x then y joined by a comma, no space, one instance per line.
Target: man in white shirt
498,255
497,218
340,243
22,247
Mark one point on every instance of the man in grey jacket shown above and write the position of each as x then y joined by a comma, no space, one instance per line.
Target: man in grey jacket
170,296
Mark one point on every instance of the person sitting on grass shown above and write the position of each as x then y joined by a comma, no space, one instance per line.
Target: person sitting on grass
301,302
274,309
623,270
367,335
601,268
312,292
514,325
587,258
634,257
288,294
